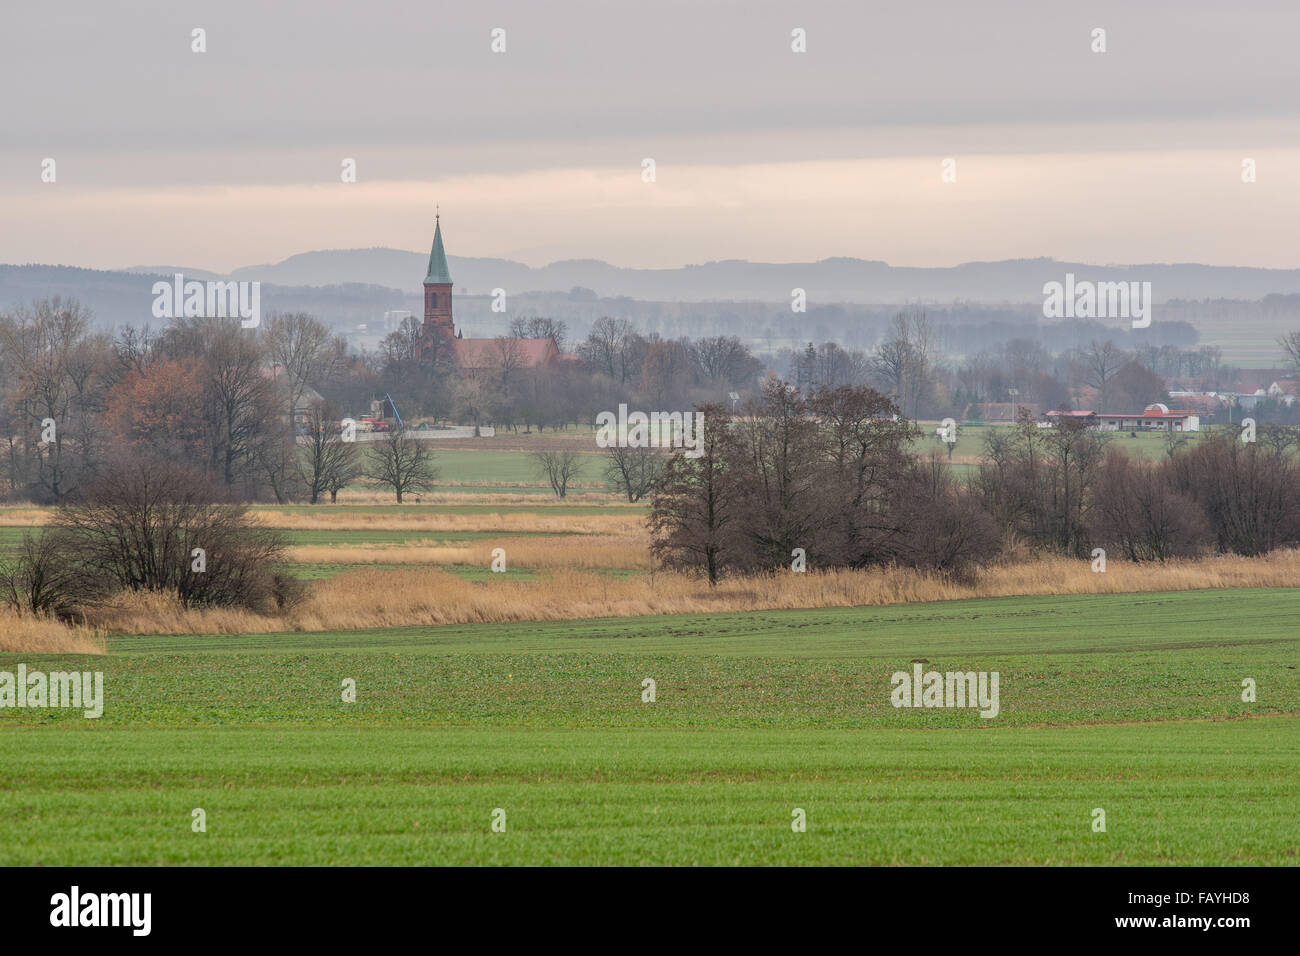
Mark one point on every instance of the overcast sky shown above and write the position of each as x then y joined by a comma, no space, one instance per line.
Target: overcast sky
233,157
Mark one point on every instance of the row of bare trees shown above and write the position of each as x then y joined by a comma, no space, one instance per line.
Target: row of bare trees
831,478
906,367
826,478
614,363
1062,489
53,387
327,459
201,391
229,403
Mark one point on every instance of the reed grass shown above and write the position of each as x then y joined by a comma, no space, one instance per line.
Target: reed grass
29,634
624,522
579,552
422,596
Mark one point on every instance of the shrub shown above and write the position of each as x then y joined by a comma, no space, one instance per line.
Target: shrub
943,526
1139,514
831,474
1249,494
40,579
146,525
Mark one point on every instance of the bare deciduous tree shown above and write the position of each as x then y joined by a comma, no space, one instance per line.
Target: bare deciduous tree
1248,494
721,358
615,348
541,327
560,468
632,471
1102,360
903,362
1291,345
54,372
134,348
37,578
303,348
508,358
1279,438
237,403
698,504
401,462
327,463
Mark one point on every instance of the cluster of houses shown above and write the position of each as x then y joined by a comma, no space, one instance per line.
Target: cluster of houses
1194,406
1244,395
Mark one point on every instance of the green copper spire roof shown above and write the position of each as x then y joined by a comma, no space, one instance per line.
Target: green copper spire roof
438,271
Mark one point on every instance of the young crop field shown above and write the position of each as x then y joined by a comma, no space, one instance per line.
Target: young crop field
1127,703
1119,692
509,469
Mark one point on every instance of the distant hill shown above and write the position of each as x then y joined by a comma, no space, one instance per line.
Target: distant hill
126,297
830,280
187,271
850,301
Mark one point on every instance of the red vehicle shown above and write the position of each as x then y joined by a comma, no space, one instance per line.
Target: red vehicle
379,424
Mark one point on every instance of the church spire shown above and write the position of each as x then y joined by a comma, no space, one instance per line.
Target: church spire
438,271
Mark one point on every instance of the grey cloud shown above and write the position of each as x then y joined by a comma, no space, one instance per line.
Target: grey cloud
420,74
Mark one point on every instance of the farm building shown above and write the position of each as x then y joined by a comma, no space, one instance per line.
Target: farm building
1157,417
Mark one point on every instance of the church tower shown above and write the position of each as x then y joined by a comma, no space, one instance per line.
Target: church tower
438,329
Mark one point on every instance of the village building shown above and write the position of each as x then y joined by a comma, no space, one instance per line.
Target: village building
1208,405
1284,391
1243,395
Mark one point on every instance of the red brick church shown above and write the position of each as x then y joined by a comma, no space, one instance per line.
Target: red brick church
438,340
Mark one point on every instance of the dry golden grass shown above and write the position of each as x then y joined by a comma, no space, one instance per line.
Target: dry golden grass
151,613
424,596
620,522
615,551
24,517
18,516
25,634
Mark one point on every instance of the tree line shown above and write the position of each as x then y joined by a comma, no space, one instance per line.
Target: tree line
258,411
819,478
831,478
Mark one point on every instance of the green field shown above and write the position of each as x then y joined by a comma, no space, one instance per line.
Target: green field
502,471
1130,703
970,441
